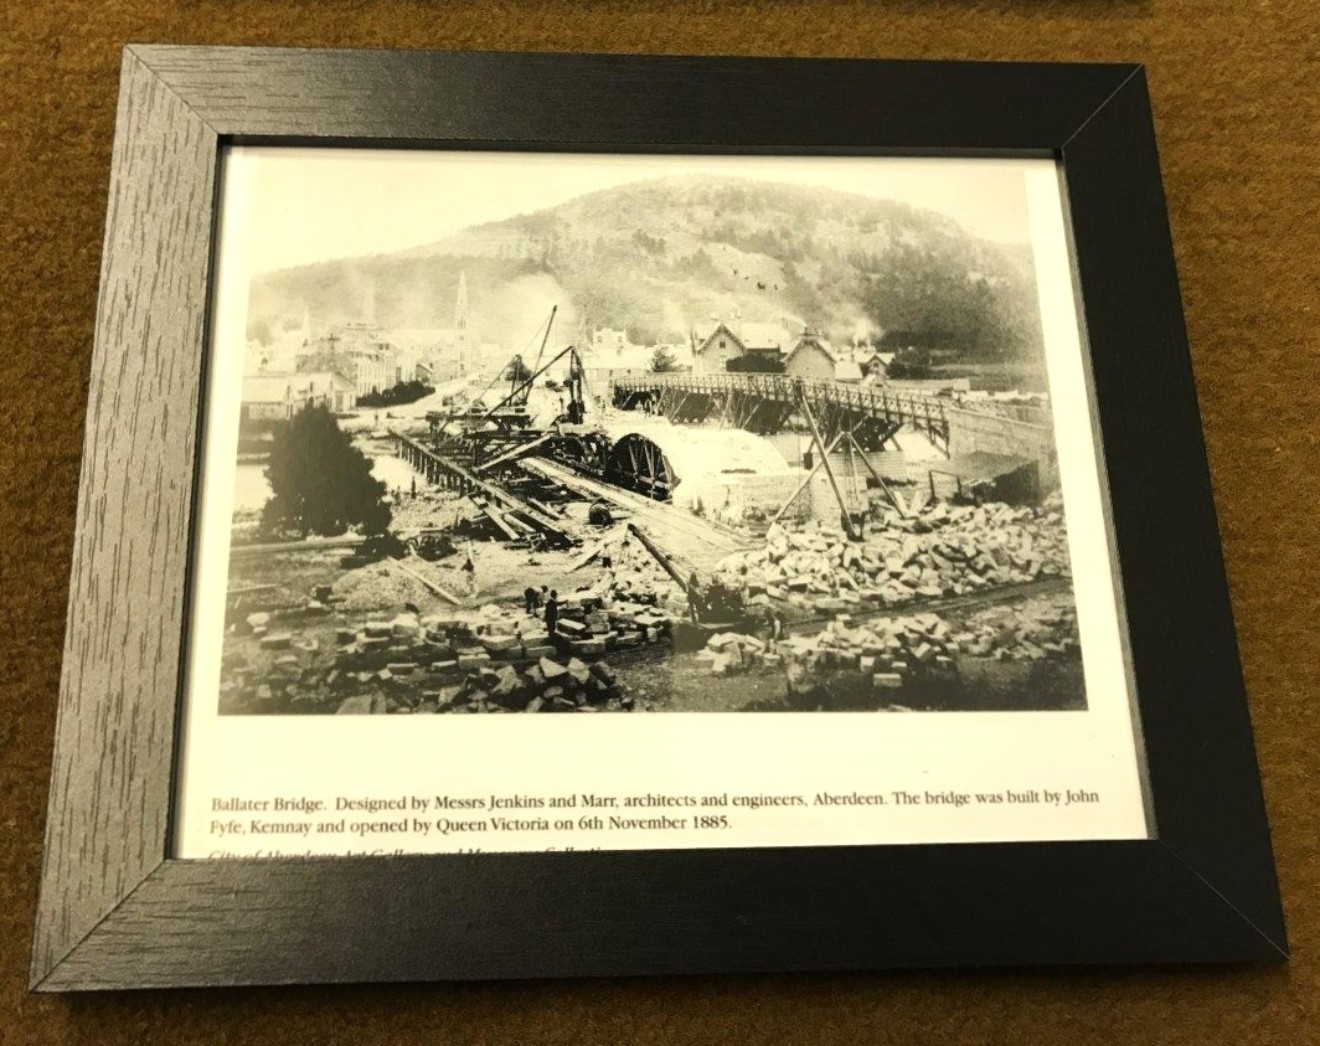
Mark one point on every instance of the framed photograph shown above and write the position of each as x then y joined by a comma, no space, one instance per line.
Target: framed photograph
552,515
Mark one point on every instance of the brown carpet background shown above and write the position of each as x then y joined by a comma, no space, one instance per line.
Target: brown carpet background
1236,88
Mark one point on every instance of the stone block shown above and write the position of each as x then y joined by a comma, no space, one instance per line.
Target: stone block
362,704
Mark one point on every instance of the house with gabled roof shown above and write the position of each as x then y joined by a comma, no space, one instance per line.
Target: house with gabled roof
712,351
814,358
739,347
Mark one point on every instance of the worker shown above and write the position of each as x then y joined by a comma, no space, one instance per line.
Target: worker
774,629
696,605
552,612
470,570
529,599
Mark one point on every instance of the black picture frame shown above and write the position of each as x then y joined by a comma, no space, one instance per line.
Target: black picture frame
117,911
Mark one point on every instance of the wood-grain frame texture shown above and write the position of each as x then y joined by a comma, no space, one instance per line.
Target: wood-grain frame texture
117,911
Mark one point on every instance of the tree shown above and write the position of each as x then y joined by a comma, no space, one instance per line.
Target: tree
663,361
517,371
403,392
910,364
320,482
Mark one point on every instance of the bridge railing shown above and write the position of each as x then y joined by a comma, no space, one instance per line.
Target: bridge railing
866,398
869,398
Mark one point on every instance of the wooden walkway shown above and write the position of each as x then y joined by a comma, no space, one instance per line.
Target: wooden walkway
695,543
513,515
767,403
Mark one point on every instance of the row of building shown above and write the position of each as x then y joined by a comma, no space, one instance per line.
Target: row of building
337,364
278,397
732,346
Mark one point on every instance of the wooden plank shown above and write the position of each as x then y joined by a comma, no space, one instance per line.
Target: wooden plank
595,550
490,489
669,563
816,466
549,510
497,519
430,585
517,524
829,472
894,499
516,452
348,541
249,590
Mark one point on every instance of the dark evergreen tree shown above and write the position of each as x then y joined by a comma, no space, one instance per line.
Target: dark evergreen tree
320,482
663,361
910,364
517,370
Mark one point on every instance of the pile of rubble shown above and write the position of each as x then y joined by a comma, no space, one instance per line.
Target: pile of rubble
1032,631
546,685
377,586
889,651
947,550
894,650
497,659
637,578
430,507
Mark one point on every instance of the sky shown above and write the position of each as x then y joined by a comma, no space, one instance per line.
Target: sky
313,205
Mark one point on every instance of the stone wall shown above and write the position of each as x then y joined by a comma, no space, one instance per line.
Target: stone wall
970,431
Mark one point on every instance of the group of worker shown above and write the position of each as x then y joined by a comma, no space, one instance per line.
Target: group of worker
547,599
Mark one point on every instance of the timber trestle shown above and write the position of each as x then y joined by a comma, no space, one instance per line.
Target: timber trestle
494,500
769,403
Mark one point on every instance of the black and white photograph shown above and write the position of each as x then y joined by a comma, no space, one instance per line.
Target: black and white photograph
660,447
642,434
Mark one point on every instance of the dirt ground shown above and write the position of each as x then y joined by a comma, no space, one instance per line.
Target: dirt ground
658,677
682,683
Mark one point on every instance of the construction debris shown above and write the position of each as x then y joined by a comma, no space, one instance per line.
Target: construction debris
379,586
890,653
887,650
496,659
935,551
1031,631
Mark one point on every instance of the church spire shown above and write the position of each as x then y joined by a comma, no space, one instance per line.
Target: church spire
461,303
463,349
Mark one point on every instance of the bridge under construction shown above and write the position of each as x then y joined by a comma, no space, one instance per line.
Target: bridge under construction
866,417
769,403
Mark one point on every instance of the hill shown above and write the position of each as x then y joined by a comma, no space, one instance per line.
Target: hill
660,257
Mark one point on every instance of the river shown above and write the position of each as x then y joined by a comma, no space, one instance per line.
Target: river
252,491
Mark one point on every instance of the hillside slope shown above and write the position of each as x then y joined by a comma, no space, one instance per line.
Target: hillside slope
660,257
